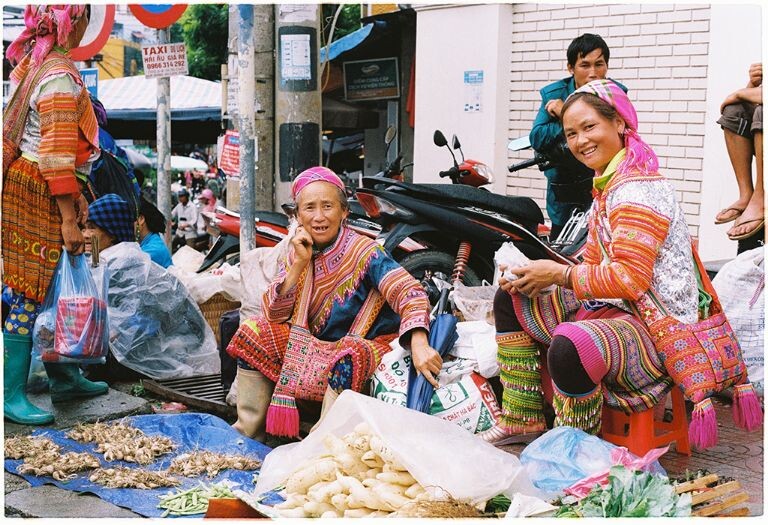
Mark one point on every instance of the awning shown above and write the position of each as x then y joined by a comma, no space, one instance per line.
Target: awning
135,98
351,41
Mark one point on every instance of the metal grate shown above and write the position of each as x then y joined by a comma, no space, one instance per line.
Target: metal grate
200,392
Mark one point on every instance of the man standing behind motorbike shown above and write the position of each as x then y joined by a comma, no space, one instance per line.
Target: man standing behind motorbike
569,184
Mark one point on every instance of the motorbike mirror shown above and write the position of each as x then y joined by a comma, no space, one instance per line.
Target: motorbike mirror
439,139
457,145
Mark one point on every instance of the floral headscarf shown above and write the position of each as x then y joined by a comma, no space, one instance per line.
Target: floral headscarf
639,155
316,174
46,26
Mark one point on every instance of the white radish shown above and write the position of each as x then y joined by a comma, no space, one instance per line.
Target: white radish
398,478
292,501
322,470
357,513
414,490
322,492
332,514
340,502
372,460
349,483
363,428
298,512
391,494
314,509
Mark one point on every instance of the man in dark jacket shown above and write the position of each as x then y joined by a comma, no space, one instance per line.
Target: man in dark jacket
569,184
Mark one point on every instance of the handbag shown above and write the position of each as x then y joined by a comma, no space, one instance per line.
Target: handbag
702,358
308,359
15,112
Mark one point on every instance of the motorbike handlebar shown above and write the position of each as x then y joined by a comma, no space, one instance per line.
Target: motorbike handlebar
454,171
535,161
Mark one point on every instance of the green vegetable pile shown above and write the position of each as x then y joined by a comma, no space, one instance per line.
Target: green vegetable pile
192,501
630,494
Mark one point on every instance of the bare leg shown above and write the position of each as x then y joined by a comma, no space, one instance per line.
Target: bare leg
740,151
755,210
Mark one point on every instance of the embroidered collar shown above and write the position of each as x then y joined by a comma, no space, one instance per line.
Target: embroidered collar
599,183
334,246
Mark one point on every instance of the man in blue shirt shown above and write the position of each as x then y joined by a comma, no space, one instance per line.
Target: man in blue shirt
569,184
151,225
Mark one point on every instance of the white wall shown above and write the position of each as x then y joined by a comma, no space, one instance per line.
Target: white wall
450,40
735,43
659,51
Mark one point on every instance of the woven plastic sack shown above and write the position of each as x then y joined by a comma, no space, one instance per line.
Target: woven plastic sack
740,285
72,325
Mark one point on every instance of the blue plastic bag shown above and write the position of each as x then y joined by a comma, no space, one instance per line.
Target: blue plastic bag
72,325
565,455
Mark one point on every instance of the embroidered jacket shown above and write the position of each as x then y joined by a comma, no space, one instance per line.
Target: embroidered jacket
60,132
643,229
344,274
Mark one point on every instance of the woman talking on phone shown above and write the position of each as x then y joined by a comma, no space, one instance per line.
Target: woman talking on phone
329,316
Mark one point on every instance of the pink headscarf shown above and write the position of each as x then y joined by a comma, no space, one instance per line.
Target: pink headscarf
316,174
46,26
640,157
208,194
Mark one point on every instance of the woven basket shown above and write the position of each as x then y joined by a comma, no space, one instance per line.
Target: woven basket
213,309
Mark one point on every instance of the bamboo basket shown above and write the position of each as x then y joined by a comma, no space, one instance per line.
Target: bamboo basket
213,309
713,496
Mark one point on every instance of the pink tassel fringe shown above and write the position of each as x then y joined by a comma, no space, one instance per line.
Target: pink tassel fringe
702,431
747,412
283,417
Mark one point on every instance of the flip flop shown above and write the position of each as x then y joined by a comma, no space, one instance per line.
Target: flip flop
749,233
738,211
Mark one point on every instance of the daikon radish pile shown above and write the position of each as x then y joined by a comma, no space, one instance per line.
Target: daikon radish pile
358,477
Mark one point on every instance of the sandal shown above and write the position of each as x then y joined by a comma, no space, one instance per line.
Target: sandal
719,220
749,233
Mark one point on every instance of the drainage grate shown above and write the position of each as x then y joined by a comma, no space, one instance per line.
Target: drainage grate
201,392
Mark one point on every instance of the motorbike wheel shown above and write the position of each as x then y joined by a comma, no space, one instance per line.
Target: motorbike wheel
426,264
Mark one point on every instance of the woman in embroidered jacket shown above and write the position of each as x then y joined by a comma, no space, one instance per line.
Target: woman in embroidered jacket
580,345
345,289
57,134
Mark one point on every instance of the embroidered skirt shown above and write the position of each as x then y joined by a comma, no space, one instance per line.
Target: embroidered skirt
31,230
613,345
262,345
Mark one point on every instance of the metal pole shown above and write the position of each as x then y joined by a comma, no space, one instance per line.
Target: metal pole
164,141
246,97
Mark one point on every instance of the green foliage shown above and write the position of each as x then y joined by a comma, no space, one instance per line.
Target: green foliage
204,29
348,21
497,504
630,494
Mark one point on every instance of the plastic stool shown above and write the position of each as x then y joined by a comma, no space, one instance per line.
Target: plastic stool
640,432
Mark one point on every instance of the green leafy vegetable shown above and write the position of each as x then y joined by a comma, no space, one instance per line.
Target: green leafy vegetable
631,494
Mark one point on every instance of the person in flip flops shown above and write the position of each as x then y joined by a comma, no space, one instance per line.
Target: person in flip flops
742,123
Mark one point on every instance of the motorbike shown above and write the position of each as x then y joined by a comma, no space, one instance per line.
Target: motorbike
272,227
573,237
460,224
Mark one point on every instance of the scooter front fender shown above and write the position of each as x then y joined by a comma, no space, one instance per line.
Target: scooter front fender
391,239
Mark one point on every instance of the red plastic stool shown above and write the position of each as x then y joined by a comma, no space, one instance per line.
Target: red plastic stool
640,432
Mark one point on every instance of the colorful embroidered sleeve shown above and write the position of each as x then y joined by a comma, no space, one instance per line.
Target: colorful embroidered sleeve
279,308
58,138
403,293
637,234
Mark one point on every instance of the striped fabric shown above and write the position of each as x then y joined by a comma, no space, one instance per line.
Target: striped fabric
613,346
31,230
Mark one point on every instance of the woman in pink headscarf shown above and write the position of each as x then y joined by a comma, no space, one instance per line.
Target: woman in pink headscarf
337,287
50,139
580,345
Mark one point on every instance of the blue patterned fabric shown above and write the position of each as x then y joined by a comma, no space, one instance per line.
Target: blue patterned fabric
113,214
22,314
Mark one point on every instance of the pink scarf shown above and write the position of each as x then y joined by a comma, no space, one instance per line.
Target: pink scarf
46,26
316,174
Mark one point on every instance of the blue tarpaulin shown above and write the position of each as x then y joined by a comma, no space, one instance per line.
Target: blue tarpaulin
350,41
189,431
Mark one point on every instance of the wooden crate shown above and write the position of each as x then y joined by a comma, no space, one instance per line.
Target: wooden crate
713,496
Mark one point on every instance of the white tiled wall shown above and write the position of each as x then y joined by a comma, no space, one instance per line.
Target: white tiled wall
658,51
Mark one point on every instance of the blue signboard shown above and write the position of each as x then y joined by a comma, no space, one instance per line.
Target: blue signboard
91,80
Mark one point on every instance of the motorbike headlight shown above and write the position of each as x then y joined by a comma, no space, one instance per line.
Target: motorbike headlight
485,171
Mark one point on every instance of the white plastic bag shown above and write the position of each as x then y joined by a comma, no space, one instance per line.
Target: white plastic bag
474,302
740,285
258,268
477,341
510,256
438,454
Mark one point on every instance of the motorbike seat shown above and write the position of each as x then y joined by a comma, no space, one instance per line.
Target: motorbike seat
523,208
272,217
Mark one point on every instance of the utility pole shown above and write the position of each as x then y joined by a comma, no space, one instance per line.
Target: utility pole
264,47
298,98
164,140
246,98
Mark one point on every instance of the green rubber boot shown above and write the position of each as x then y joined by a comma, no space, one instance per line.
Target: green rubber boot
17,356
66,383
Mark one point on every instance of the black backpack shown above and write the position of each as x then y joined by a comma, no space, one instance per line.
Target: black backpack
111,176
